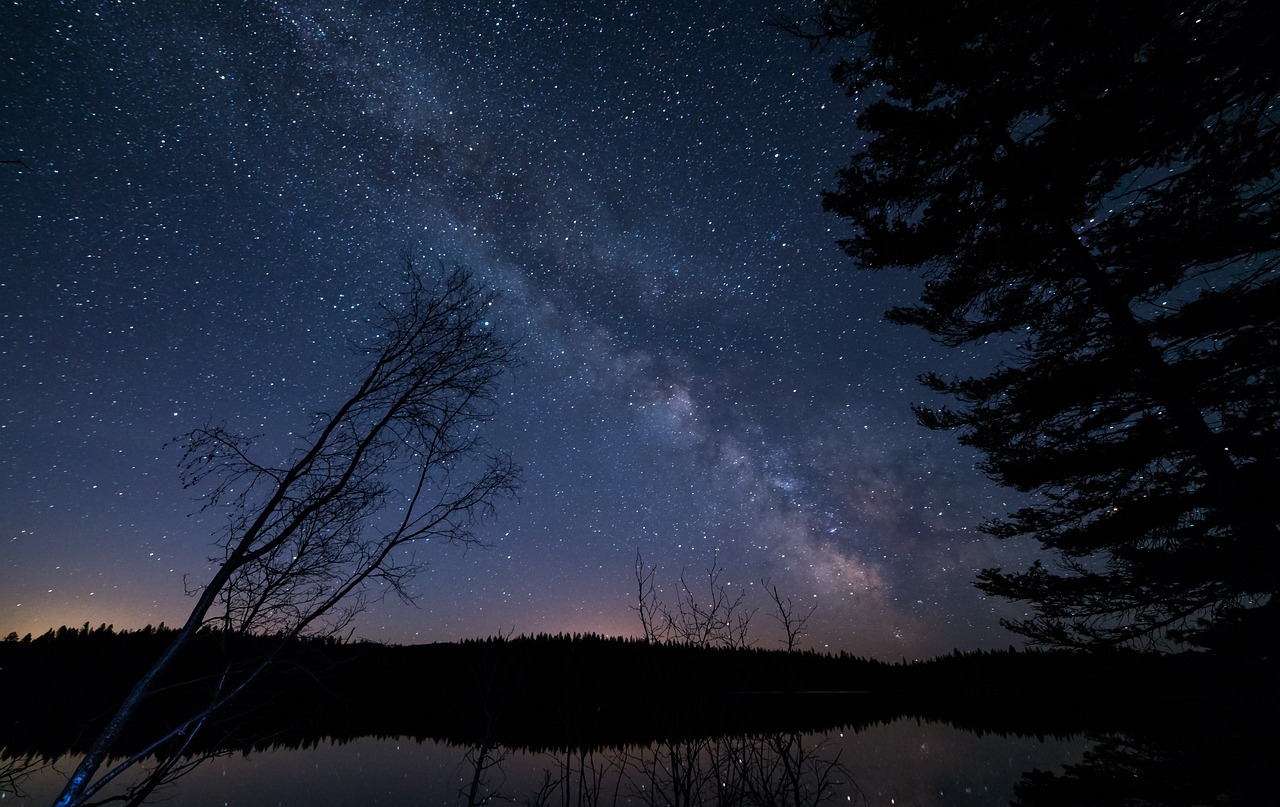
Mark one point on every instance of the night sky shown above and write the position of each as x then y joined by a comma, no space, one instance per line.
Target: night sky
212,201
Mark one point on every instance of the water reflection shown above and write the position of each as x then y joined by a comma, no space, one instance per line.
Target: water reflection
1193,744
901,763
1179,761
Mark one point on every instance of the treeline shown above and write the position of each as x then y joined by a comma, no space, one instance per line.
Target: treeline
569,691
533,691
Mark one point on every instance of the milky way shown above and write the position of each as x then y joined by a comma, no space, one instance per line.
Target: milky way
211,202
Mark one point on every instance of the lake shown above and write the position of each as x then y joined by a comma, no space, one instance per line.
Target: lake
481,722
906,762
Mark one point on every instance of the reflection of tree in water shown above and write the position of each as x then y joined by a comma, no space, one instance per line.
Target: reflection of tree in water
1187,759
483,760
759,770
778,768
583,777
14,771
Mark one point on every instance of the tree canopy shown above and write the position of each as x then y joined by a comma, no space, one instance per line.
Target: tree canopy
1097,182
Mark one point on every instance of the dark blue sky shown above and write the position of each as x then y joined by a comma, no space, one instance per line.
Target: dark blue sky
213,199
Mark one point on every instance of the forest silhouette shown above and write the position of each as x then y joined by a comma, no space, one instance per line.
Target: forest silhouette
585,691
1190,725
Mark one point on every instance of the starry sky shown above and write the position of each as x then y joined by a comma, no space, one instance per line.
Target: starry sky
211,201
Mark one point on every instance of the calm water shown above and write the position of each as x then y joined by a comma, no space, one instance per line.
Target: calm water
903,763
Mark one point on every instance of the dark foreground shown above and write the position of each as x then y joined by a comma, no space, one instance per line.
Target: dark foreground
1181,730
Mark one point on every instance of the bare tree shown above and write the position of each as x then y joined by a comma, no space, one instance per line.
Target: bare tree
400,463
787,615
713,617
710,617
769,769
647,604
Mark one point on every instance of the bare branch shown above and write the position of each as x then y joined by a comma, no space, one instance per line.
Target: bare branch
793,625
400,462
710,618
